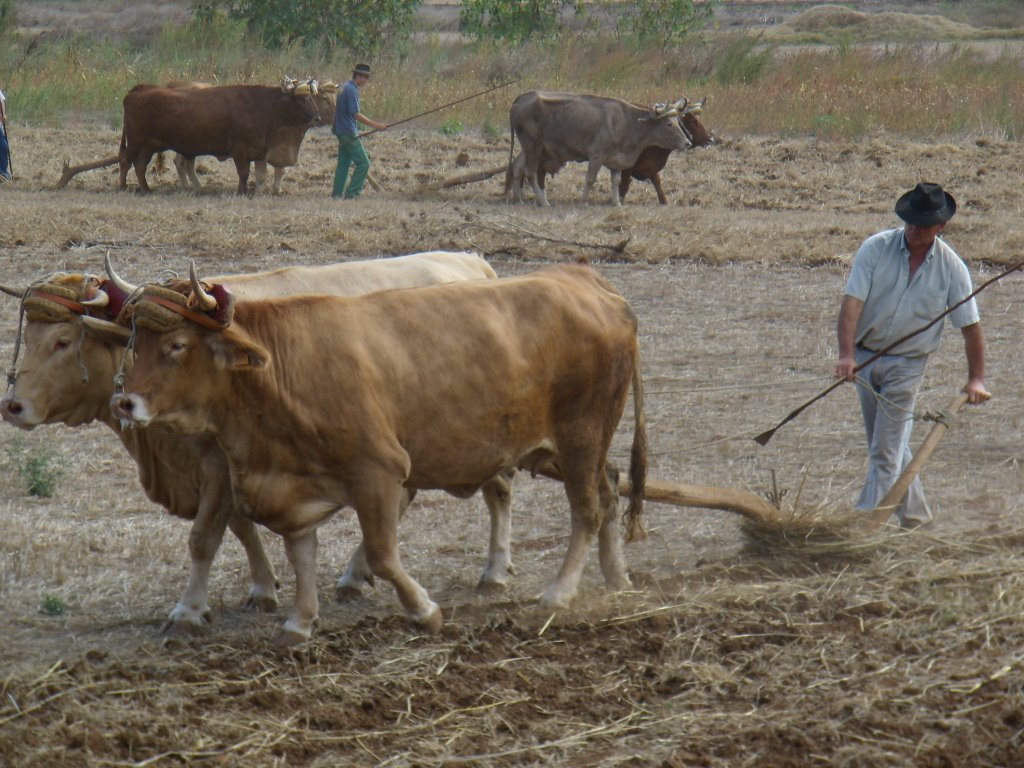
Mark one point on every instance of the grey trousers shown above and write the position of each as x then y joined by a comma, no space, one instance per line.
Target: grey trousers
887,405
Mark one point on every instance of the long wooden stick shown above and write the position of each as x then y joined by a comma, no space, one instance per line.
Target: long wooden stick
364,134
764,437
894,497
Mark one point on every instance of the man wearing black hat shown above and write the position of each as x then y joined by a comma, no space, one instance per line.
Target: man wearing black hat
901,279
350,148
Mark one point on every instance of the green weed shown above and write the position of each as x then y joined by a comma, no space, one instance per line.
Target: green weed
38,467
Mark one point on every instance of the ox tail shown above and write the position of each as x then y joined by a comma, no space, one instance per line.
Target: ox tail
511,153
633,515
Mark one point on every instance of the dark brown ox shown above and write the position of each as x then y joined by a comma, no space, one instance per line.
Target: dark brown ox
284,144
236,121
556,128
362,398
71,355
648,166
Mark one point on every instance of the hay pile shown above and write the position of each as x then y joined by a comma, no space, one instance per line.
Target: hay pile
833,20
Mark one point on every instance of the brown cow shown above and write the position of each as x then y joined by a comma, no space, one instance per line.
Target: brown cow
361,398
648,166
555,128
236,121
67,374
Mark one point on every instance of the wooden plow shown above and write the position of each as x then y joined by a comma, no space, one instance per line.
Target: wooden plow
766,516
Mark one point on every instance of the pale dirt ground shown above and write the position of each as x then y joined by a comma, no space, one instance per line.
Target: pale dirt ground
735,283
725,657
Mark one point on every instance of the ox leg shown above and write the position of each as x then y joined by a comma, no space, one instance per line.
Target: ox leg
260,167
498,497
662,197
180,166
301,551
140,165
242,166
586,516
624,183
593,167
609,542
191,616
538,188
357,573
122,176
377,504
264,584
616,180
278,175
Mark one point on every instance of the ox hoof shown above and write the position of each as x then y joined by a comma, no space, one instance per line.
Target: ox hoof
347,594
262,604
432,626
490,587
185,629
288,638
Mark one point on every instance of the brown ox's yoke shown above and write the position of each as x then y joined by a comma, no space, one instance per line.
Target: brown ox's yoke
442,387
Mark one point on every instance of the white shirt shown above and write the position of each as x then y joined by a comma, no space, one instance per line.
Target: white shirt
895,304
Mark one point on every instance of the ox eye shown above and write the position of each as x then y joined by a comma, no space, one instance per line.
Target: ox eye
61,344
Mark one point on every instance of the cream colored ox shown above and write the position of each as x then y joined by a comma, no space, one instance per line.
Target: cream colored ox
73,351
363,398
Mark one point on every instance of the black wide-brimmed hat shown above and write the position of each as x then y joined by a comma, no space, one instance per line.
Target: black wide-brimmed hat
361,69
926,205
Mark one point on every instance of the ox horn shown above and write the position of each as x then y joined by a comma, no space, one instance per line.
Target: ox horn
106,329
206,301
288,84
101,299
116,279
329,87
12,291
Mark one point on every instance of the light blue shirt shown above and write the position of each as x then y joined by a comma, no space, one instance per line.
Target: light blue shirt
895,304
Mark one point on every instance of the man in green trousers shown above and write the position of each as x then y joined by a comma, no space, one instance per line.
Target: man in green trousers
350,148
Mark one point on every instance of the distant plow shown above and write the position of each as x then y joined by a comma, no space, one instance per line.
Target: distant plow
71,171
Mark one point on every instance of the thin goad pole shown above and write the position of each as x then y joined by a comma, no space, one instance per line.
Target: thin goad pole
894,497
764,437
438,109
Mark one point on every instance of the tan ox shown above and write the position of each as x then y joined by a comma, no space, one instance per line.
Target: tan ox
67,374
362,398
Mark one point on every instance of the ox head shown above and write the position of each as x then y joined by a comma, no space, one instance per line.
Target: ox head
690,122
184,355
319,98
663,129
66,373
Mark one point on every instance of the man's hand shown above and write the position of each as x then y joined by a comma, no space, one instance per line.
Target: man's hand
845,368
976,392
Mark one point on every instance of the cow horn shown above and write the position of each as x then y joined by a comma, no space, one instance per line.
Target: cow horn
329,87
106,328
206,301
116,279
12,291
288,84
101,299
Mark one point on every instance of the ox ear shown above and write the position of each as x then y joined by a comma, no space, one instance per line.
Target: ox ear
236,353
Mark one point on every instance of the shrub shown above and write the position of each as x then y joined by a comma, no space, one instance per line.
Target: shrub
742,62
53,606
665,22
452,127
513,20
37,467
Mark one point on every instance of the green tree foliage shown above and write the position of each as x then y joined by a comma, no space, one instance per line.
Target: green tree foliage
665,22
361,26
514,20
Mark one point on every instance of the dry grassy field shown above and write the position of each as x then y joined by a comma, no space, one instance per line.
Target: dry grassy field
733,650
